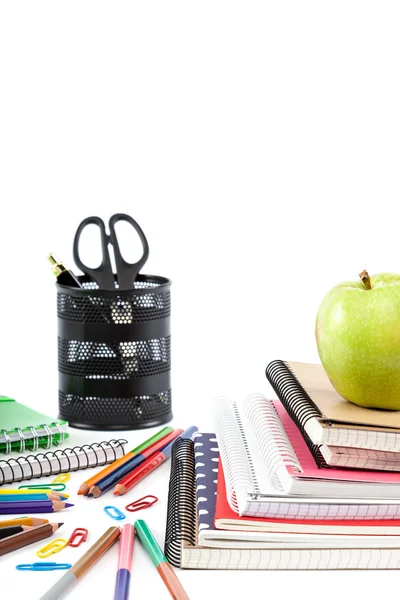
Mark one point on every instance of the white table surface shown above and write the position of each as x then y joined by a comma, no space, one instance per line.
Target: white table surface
257,145
145,581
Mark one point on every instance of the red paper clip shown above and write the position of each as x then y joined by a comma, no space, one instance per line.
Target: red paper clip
79,534
142,503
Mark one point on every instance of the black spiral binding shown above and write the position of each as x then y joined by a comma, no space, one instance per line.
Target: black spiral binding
16,464
181,512
296,401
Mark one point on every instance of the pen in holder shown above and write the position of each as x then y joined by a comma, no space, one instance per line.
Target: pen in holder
114,346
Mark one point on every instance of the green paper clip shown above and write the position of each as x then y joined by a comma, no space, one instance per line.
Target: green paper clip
56,487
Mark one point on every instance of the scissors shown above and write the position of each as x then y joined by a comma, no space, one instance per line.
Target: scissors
103,275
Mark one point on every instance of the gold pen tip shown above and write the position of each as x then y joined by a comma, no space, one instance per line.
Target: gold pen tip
52,259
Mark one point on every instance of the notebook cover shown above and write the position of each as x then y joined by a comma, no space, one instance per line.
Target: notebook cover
206,466
15,415
333,407
309,466
224,511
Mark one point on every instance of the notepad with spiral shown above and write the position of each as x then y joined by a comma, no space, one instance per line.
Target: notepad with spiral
50,463
219,527
325,417
269,469
181,539
22,428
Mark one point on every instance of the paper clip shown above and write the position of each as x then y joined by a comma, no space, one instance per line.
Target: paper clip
114,513
62,478
51,548
142,503
78,536
46,566
50,487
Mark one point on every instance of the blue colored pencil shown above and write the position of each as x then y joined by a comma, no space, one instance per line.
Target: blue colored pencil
30,497
110,480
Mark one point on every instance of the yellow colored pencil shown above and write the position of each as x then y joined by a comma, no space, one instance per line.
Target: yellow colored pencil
32,492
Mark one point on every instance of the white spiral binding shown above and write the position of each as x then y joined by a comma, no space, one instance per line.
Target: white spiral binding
33,436
231,443
274,445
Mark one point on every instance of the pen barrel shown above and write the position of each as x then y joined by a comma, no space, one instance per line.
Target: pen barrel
96,551
172,582
122,585
114,354
60,587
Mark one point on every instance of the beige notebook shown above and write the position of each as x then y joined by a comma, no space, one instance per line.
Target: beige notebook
315,406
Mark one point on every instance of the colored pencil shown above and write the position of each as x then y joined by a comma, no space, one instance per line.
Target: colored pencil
124,562
30,497
34,521
16,508
7,531
149,465
85,487
28,537
33,491
108,482
167,573
72,576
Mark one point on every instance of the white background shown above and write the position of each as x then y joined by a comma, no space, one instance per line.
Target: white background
257,144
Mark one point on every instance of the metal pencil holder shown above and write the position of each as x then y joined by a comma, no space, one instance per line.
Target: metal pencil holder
114,354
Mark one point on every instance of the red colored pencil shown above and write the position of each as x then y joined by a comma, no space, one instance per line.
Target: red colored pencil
108,482
151,463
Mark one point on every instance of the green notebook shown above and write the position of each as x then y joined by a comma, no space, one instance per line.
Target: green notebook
22,428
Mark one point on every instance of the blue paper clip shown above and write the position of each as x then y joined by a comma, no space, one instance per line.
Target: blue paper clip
114,513
44,566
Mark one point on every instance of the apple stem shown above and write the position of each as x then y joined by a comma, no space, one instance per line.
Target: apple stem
365,278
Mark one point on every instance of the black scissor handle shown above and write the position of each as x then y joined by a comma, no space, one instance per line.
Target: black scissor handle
127,272
103,274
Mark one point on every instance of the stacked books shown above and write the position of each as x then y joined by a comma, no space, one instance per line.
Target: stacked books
272,488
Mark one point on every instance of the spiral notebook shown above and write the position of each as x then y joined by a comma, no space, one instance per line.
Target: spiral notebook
220,527
181,539
260,463
353,531
315,406
22,428
60,461
357,458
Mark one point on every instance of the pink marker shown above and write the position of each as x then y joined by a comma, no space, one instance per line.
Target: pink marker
125,556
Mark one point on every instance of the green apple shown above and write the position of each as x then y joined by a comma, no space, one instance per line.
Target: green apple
358,339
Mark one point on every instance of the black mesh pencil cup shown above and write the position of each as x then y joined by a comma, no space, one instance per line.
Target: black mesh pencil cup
114,354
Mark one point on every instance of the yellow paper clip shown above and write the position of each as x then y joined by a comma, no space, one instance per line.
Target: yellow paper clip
62,478
51,548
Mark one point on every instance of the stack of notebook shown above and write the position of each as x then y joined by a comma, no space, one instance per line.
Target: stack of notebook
266,492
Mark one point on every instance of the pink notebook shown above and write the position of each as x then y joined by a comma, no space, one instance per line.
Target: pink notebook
311,477
291,465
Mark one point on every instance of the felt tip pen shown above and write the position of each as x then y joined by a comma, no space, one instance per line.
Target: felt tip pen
163,567
64,275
